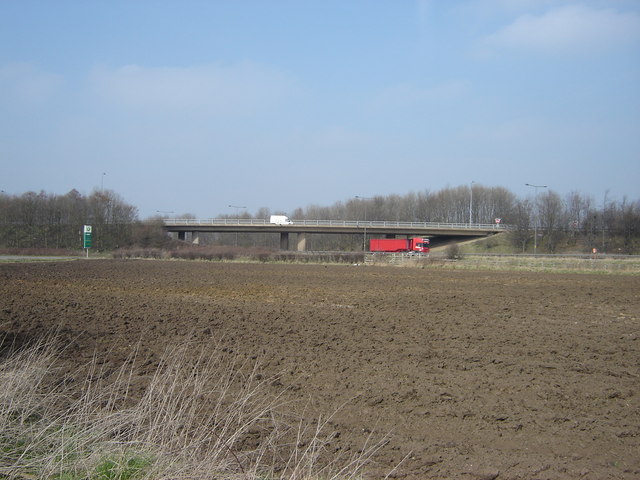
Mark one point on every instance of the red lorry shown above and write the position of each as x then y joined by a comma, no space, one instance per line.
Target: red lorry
420,245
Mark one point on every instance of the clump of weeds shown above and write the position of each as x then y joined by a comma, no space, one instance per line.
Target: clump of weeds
193,420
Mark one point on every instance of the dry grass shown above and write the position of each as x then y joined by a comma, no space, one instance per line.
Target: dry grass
549,264
207,418
525,263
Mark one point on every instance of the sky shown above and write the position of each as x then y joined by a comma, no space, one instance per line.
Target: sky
192,106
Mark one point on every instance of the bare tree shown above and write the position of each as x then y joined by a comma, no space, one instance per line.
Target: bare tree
521,235
551,216
627,224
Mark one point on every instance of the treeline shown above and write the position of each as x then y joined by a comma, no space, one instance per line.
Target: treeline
50,221
574,222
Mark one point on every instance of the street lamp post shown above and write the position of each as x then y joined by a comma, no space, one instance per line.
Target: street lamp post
102,183
470,202
237,207
604,213
364,238
535,221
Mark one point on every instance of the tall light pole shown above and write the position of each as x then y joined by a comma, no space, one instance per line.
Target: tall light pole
470,202
364,238
237,207
535,221
604,213
102,182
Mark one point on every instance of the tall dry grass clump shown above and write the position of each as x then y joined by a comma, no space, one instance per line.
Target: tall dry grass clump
199,417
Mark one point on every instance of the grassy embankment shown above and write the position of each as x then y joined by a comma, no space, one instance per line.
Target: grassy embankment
496,253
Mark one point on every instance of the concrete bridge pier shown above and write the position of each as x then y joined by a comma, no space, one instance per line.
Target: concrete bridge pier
193,237
302,241
284,241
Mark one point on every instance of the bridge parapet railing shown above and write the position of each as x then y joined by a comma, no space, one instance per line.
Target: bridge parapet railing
335,223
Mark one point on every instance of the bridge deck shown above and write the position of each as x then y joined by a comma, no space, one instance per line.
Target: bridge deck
333,226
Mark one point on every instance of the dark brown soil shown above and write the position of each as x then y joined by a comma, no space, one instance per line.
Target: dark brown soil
472,374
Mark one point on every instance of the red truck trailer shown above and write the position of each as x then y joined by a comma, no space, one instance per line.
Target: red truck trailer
397,245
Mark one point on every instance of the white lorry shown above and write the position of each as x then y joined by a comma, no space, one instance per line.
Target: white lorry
280,220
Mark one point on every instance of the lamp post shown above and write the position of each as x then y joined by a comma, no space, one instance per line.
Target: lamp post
102,182
470,202
604,213
237,207
535,221
364,238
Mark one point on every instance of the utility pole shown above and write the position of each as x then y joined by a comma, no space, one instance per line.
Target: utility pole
604,212
535,221
470,202
364,238
237,207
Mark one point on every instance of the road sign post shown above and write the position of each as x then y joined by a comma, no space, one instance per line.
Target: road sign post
87,238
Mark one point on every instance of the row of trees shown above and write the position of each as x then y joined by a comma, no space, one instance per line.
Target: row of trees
575,221
44,220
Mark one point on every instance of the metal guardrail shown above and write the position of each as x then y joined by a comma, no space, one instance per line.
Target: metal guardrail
176,222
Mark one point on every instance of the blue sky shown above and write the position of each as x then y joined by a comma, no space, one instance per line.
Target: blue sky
191,106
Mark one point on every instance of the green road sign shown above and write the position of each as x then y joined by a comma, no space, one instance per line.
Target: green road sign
87,236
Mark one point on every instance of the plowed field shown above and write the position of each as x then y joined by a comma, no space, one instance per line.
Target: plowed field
471,374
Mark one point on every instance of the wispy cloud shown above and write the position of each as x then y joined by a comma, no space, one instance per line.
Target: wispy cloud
243,88
569,29
26,84
525,4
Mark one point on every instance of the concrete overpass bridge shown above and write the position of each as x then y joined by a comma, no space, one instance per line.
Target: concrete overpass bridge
190,229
